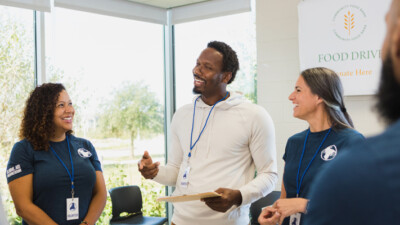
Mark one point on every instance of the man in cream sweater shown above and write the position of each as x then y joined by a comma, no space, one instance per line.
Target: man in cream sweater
218,142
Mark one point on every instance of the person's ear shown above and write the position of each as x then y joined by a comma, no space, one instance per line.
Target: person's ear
226,77
395,49
319,100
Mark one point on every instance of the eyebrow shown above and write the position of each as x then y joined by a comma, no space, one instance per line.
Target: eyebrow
208,64
63,101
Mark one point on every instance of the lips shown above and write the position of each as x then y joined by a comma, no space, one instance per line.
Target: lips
67,119
198,81
295,106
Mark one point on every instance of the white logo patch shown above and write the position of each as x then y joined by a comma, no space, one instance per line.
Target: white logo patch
84,153
329,153
14,170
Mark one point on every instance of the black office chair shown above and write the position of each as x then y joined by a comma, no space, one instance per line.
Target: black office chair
255,208
128,199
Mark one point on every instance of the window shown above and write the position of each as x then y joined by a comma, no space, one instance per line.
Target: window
17,81
237,30
113,70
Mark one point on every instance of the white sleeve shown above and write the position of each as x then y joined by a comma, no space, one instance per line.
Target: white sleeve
168,174
263,151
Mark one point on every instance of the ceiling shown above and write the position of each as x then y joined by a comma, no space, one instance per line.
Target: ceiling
167,4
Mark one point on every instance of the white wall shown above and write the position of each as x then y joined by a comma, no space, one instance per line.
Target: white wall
278,70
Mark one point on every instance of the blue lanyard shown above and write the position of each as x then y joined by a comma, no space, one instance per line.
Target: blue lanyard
71,175
298,183
194,112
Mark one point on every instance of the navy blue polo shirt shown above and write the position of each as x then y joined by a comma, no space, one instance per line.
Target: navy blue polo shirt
335,141
51,182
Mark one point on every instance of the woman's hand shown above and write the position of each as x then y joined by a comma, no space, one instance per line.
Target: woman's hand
289,206
269,216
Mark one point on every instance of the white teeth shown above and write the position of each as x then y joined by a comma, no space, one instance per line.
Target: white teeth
67,118
198,80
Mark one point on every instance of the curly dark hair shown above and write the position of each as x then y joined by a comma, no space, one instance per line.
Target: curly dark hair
230,61
37,124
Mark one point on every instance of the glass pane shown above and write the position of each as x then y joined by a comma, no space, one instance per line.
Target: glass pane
113,71
17,81
237,30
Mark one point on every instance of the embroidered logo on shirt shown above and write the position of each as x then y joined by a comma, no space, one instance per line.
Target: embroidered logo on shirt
329,153
14,170
84,153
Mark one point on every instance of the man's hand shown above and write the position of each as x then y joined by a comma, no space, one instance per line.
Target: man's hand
147,168
229,198
269,216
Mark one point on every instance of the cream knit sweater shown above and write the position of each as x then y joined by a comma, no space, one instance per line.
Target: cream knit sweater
238,140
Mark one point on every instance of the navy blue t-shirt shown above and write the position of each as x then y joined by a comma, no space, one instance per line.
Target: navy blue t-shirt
51,182
362,186
333,145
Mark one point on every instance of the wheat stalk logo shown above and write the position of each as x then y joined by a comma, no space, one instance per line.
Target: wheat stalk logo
349,21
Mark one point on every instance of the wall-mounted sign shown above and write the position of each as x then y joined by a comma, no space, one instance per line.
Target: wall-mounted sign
346,36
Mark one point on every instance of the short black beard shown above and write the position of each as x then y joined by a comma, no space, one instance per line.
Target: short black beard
196,91
388,96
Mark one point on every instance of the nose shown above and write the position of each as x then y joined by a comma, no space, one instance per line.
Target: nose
291,96
197,69
69,109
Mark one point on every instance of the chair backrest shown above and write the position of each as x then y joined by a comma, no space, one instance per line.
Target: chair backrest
255,208
126,199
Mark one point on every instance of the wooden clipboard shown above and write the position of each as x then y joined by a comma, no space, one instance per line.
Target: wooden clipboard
185,198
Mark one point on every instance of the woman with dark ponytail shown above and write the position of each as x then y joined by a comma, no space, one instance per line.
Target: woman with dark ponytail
317,99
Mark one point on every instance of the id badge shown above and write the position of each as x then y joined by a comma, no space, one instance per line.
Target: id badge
295,219
185,178
72,208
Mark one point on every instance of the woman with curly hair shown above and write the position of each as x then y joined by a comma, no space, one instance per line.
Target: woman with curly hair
53,176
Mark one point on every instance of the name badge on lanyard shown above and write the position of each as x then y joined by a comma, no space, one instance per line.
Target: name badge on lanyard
72,208
185,177
295,219
72,203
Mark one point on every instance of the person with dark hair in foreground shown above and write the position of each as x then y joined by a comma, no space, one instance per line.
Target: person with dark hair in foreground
53,176
217,143
317,99
362,186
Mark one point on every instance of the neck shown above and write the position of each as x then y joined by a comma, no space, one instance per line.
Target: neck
58,137
211,100
319,122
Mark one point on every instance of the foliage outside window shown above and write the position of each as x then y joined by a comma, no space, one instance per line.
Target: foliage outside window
122,122
17,81
236,30
143,117
109,69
